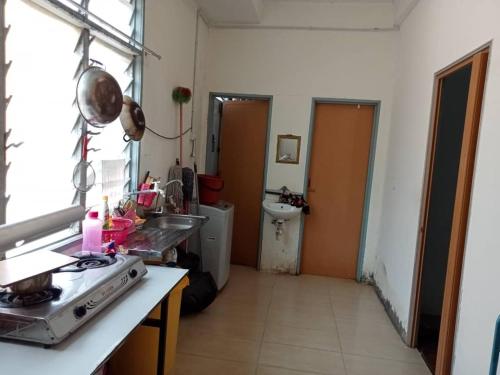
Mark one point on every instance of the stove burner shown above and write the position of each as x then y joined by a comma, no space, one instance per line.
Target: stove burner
95,261
12,300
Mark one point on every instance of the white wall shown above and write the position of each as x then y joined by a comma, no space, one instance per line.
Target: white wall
435,34
170,31
324,14
294,66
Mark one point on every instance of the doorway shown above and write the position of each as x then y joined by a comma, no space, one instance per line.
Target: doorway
341,152
237,142
450,165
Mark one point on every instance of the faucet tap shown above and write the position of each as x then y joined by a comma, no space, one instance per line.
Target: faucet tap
156,189
172,181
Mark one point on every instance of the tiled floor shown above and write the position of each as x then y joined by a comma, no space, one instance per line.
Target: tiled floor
263,324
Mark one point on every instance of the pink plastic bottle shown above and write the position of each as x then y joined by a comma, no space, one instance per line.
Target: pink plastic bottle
92,233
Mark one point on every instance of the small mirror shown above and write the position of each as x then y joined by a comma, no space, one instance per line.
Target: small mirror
288,149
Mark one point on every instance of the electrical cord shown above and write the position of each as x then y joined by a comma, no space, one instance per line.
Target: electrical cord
169,138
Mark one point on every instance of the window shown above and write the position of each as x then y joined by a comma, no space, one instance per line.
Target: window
46,48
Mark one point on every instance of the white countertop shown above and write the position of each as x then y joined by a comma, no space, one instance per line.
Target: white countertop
91,345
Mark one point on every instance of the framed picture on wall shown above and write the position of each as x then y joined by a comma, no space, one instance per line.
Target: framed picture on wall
288,150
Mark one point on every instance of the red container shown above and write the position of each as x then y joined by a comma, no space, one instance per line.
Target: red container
119,232
145,199
210,188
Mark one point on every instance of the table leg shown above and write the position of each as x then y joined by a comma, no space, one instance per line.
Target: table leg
162,340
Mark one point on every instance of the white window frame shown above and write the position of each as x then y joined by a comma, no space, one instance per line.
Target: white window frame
92,26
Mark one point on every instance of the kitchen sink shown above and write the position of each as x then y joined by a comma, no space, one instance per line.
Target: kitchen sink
174,222
162,233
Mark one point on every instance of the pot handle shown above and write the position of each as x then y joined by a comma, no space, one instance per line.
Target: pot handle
97,62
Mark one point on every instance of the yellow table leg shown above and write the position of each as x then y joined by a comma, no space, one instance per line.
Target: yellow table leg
138,355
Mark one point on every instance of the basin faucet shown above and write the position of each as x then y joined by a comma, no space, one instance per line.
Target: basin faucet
172,181
156,189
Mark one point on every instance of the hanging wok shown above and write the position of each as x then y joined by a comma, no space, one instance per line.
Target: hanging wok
132,119
98,96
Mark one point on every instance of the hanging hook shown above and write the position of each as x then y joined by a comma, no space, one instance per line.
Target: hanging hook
15,145
6,198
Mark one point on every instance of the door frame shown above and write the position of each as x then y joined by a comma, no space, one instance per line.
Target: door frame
461,209
369,177
210,125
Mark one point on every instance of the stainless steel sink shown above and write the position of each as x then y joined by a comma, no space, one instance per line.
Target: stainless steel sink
174,222
161,234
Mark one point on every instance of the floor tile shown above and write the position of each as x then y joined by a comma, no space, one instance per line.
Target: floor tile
356,365
304,283
324,339
301,359
344,287
374,340
247,275
267,370
268,324
218,325
239,310
218,347
365,329
301,318
293,299
246,293
360,307
319,306
194,365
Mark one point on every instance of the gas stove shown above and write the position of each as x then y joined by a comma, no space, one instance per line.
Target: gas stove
78,293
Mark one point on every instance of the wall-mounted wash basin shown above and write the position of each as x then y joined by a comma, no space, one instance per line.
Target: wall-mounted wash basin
281,211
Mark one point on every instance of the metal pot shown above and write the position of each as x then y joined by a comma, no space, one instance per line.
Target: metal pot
34,284
132,119
98,96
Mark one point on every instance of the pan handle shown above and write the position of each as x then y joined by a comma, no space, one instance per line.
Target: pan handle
68,269
94,62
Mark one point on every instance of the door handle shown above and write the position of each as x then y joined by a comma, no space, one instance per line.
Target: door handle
309,188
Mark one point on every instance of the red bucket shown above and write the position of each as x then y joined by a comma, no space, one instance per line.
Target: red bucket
210,188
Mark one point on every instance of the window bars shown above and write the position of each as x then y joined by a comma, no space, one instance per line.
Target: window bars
92,27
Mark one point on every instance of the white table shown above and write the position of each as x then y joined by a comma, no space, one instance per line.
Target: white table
89,347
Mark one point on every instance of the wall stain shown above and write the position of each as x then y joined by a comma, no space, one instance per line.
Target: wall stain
393,316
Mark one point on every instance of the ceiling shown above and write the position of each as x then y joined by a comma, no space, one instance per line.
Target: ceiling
338,1
252,12
231,11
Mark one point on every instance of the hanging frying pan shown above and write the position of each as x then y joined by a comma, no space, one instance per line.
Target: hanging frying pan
132,119
98,96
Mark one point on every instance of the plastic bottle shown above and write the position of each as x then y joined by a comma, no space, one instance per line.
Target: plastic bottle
107,222
92,233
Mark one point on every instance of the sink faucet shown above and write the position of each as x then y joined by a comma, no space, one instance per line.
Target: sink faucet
156,189
172,181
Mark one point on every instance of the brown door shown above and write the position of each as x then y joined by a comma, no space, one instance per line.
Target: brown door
456,108
337,179
241,164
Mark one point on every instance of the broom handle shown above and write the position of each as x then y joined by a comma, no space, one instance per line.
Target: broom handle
180,126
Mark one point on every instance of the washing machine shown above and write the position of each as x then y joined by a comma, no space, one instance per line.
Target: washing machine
216,238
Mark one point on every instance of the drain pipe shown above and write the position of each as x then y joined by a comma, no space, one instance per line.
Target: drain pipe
280,228
193,102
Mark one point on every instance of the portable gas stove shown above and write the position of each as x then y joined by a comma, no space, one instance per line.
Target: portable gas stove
78,293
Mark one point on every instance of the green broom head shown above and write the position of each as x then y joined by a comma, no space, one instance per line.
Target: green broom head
181,95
